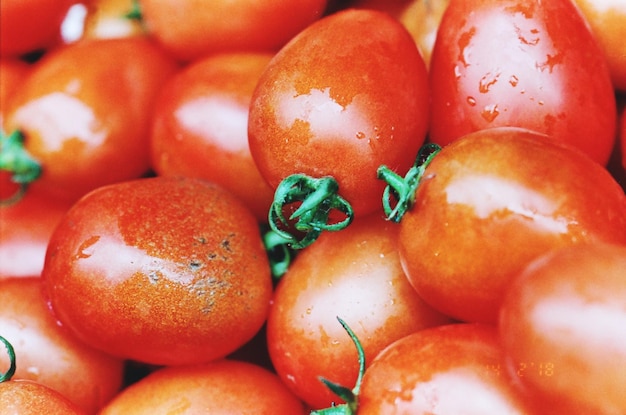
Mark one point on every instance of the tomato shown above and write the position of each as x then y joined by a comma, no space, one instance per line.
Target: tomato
529,64
348,93
622,135
25,229
200,126
422,19
607,19
23,397
12,74
220,387
30,25
190,29
160,270
51,356
563,329
354,274
494,200
85,120
446,370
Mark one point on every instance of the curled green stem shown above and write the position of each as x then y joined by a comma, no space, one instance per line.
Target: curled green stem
401,190
318,197
6,376
15,159
279,253
349,396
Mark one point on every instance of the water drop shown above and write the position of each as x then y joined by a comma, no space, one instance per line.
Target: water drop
490,112
471,101
513,80
360,135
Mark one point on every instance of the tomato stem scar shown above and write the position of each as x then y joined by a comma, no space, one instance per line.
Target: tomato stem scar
15,159
6,376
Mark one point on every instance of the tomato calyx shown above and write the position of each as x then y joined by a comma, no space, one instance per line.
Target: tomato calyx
318,198
350,396
15,159
402,189
6,376
279,252
135,12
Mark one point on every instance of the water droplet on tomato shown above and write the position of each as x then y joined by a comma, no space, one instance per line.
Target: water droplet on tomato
360,135
471,100
490,112
487,81
513,80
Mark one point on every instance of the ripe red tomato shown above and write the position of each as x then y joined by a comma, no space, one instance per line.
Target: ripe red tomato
529,64
446,370
24,397
12,74
354,274
159,270
220,387
48,354
200,126
190,29
493,201
563,329
347,94
30,25
85,111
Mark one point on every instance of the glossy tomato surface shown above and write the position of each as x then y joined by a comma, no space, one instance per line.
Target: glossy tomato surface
356,275
24,397
491,202
12,74
85,110
446,370
159,270
529,64
200,126
221,387
563,328
347,94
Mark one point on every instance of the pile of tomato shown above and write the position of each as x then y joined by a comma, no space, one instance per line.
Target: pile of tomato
316,206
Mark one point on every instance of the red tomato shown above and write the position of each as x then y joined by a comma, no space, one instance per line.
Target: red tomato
563,327
30,25
622,135
354,274
446,370
221,387
529,64
25,229
190,29
49,355
493,201
422,19
347,94
607,19
159,270
23,397
200,126
85,112
12,74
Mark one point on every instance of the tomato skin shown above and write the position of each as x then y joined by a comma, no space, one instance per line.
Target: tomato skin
562,325
536,80
30,25
159,270
356,275
324,106
220,387
12,74
190,29
24,397
493,201
85,120
448,370
49,355
200,126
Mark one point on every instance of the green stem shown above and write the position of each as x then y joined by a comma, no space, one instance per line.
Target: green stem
135,12
402,189
15,159
279,253
317,197
6,376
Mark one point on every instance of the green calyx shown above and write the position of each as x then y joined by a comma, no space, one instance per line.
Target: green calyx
15,159
349,396
279,253
6,376
317,198
402,189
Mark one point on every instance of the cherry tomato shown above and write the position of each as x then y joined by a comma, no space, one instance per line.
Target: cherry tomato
529,64
491,202
12,74
159,270
24,397
607,19
85,110
220,387
563,329
200,126
190,29
348,93
446,370
354,274
30,25
48,354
